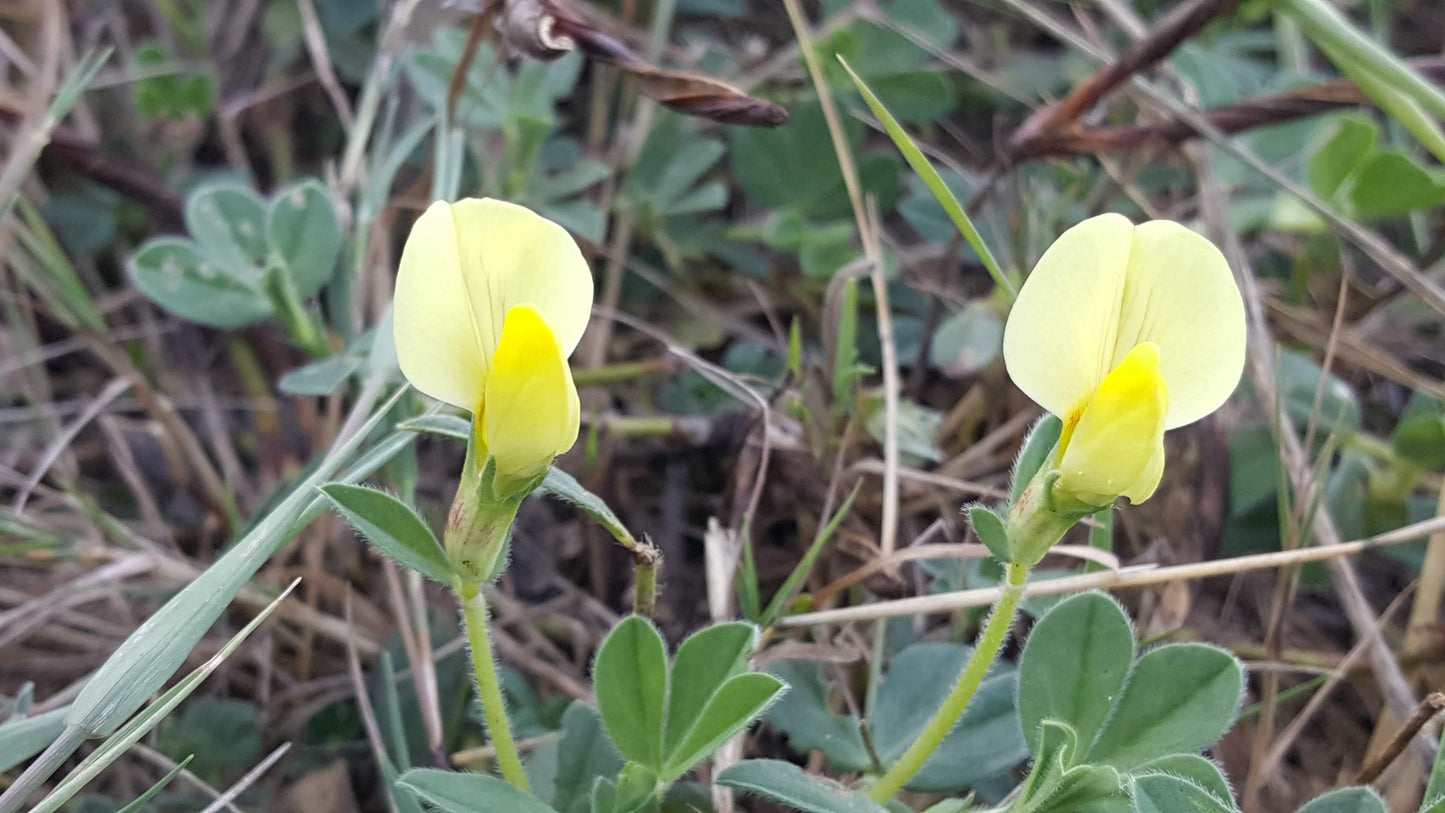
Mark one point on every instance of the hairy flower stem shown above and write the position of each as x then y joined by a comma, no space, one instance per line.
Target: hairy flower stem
990,641
489,687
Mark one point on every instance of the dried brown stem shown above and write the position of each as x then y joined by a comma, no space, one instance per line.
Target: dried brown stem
1174,28
1247,115
1428,708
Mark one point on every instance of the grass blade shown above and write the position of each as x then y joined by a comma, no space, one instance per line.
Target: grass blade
805,565
933,181
142,723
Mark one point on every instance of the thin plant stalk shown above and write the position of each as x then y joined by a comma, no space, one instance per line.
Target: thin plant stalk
985,652
489,687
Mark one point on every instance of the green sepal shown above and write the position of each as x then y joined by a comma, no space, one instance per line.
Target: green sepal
989,527
1037,448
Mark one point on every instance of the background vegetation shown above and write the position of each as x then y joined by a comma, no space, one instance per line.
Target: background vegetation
791,386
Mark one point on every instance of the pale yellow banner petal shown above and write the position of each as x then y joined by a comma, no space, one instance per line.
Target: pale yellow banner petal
1181,296
513,256
1060,338
530,413
436,340
1119,432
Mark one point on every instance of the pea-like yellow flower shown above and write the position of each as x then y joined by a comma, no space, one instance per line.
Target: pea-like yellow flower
491,299
1124,331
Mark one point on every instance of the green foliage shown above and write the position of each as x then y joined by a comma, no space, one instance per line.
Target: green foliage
460,792
1180,698
1369,182
893,57
987,741
924,169
246,259
393,527
1074,666
223,735
787,783
967,341
1165,793
1346,800
172,93
1419,435
586,755
140,803
565,487
631,679
713,697
989,527
1087,705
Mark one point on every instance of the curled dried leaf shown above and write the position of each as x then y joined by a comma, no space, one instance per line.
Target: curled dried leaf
546,29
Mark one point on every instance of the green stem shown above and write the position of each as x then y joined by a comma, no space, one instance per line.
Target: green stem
474,610
990,641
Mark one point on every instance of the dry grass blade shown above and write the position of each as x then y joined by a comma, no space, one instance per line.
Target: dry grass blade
132,731
1125,577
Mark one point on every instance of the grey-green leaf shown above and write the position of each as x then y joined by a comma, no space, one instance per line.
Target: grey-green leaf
393,526
463,792
1196,769
737,703
1346,800
322,377
703,663
173,273
229,223
1163,793
1074,666
986,741
564,486
787,783
1180,699
586,755
446,426
631,680
305,233
804,714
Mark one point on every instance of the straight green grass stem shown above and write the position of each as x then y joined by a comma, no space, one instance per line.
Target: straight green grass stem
489,687
990,641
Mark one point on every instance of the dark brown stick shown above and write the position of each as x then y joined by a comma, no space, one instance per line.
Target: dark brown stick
1247,115
1428,708
1178,25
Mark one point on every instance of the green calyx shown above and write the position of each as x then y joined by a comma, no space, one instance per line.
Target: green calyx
1041,516
479,524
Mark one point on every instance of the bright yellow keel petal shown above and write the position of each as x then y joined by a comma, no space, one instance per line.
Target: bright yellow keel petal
1117,447
530,411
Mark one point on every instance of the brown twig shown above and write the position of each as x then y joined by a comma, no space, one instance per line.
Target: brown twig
1178,25
547,29
1246,115
1428,708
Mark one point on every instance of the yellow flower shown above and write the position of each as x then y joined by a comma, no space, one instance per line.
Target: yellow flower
491,299
1124,331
